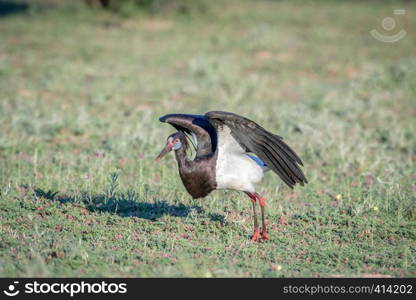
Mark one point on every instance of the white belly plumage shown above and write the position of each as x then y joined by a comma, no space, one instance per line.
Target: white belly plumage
234,168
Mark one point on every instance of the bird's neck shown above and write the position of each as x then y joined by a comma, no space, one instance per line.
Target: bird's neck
181,157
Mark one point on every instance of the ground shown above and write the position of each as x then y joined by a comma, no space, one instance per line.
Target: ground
80,96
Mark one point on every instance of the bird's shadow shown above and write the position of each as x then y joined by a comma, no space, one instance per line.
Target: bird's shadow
8,8
125,205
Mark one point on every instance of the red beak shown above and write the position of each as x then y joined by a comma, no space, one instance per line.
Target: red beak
165,151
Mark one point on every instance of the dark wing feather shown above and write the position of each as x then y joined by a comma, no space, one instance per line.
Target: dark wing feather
277,155
206,134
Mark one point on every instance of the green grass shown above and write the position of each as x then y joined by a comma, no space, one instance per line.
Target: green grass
80,97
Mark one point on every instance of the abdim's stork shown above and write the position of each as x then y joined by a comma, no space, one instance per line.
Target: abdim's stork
232,152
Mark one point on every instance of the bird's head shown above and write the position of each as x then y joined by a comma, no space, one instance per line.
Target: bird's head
175,142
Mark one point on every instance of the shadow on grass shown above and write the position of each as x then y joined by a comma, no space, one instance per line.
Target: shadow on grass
124,205
8,8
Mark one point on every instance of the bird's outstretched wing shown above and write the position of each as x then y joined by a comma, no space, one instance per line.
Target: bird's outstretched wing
269,147
198,125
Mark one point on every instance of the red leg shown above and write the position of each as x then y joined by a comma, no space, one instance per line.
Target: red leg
262,202
256,233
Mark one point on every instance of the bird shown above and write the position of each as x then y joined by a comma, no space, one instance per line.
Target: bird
232,152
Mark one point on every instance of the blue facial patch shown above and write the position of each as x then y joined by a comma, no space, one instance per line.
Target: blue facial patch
177,146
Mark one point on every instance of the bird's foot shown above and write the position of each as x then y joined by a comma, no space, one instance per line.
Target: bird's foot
264,236
255,236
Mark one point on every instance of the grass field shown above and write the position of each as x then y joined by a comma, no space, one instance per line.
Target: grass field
80,96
